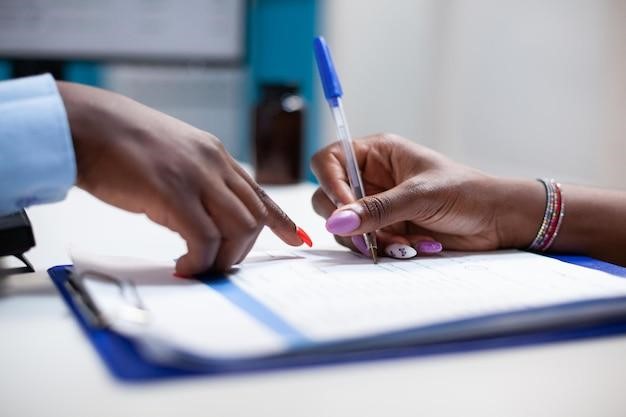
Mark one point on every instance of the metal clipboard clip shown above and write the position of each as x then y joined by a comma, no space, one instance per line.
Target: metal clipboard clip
132,311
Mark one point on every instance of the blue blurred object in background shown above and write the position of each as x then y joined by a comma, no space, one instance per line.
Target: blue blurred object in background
203,61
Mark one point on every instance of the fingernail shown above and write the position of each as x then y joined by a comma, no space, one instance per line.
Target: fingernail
427,247
177,275
400,251
360,244
343,221
305,238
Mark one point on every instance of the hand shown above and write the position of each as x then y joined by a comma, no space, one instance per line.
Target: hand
144,161
420,198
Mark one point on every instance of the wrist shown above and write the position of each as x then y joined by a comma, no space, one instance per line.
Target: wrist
520,208
75,107
82,113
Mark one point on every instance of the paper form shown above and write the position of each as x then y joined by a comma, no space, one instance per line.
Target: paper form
280,299
333,295
184,313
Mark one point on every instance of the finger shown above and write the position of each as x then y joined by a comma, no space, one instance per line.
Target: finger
328,165
189,219
248,248
235,222
279,222
276,219
407,201
355,245
385,242
248,196
358,244
388,244
230,253
322,204
424,244
402,244
406,246
254,204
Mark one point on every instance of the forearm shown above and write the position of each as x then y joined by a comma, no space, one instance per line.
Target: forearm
594,223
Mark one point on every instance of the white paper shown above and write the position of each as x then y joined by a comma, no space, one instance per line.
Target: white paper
182,313
335,295
330,295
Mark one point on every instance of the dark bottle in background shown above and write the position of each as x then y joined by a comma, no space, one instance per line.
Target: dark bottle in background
278,134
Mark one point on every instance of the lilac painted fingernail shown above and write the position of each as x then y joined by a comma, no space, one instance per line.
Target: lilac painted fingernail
360,244
343,221
427,247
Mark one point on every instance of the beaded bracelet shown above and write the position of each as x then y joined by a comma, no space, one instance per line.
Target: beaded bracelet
552,218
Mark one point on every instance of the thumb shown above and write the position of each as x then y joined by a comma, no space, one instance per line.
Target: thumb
403,202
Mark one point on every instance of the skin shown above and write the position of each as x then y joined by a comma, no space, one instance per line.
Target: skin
143,161
415,194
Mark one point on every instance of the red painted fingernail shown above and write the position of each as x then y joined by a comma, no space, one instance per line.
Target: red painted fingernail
305,238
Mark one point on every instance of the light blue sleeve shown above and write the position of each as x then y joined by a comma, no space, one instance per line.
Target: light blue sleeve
37,162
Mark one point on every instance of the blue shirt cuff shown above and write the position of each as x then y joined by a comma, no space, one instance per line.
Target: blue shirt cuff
37,161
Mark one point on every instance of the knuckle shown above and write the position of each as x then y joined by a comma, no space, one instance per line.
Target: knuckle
218,143
246,226
377,208
207,137
250,227
262,214
173,177
389,138
255,203
260,192
221,148
213,151
208,235
318,159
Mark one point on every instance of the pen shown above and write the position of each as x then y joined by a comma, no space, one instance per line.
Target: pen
333,93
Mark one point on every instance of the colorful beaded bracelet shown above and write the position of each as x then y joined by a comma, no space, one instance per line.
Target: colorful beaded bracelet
552,218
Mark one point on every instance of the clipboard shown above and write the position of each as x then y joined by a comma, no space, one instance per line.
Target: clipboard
125,362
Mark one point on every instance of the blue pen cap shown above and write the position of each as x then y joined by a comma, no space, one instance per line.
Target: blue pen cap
330,81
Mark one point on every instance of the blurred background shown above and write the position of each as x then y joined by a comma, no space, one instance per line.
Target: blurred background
523,88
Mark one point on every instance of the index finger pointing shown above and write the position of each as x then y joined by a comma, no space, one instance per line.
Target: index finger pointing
277,219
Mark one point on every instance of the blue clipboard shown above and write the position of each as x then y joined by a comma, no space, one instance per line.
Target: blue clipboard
125,362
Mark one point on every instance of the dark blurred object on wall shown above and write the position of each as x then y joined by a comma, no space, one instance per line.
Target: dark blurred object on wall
27,67
278,134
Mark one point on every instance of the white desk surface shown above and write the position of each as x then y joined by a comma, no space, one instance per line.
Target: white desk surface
49,368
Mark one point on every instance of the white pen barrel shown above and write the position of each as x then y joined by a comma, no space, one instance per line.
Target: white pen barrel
352,166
